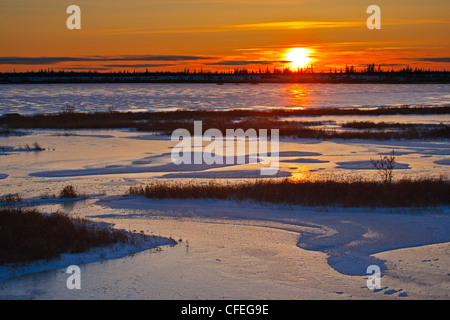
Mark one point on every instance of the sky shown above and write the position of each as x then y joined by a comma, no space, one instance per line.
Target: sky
221,35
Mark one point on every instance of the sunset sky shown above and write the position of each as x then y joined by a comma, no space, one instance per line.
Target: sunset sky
222,34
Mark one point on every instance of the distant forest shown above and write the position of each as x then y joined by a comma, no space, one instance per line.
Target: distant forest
350,74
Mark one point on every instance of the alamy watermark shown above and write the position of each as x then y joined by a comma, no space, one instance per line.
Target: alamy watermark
74,20
236,147
374,20
374,280
74,280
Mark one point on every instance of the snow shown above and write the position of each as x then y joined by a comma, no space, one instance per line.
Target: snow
349,236
445,162
305,160
229,250
94,255
367,165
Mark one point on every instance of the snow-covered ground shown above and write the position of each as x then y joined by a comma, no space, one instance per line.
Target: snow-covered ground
253,251
94,255
226,249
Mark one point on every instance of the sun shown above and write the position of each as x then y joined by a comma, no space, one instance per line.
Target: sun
299,57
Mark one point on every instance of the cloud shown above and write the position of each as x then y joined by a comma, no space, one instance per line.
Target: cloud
82,68
156,31
268,25
148,65
294,25
55,60
300,24
438,59
245,62
37,60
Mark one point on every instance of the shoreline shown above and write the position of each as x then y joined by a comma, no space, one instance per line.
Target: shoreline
297,251
117,251
388,77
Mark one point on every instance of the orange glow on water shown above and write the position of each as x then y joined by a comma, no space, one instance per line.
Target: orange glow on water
300,96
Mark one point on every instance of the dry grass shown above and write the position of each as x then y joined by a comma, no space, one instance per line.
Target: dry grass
10,200
388,125
353,193
7,132
28,235
167,122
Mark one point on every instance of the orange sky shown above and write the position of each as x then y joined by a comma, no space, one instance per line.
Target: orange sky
221,34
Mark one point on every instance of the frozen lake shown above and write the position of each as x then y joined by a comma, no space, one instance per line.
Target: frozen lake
50,98
230,250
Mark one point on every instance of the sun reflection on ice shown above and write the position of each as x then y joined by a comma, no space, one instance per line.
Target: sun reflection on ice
300,174
300,96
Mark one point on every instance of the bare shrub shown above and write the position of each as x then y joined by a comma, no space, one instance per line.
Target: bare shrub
37,146
385,166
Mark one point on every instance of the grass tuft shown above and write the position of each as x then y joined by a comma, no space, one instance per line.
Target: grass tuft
10,200
69,192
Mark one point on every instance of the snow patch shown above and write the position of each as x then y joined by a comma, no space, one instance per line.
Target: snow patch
367,165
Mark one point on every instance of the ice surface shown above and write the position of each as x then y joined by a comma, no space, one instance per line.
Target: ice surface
227,250
94,255
444,162
51,98
231,250
367,165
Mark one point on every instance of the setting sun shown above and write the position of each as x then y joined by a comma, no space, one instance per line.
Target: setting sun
299,57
